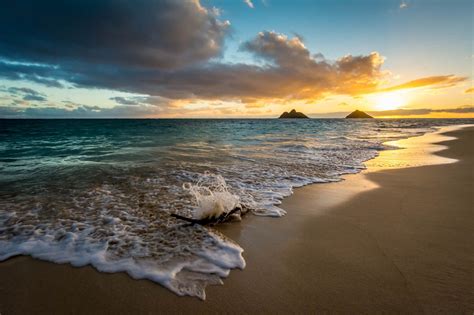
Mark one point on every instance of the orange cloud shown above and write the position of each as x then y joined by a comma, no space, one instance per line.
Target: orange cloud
470,90
434,82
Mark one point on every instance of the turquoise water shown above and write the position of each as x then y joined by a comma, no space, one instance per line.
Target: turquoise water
101,192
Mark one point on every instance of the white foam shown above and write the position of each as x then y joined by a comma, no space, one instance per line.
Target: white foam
107,241
211,196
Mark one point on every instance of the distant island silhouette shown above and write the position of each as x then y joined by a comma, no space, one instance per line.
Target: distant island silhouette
293,114
358,114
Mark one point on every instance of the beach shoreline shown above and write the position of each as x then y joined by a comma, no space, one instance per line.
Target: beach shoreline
361,248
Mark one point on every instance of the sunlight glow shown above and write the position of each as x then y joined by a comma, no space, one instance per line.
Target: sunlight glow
388,101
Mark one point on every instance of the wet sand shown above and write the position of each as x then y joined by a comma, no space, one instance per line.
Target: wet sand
390,239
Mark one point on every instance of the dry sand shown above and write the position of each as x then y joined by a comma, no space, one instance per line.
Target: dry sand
389,239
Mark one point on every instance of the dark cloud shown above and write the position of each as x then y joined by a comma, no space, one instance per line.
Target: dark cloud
39,73
464,109
27,94
284,52
23,90
157,34
145,106
34,98
125,101
79,111
141,100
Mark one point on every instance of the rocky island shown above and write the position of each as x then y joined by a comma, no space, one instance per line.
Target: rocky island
358,114
293,114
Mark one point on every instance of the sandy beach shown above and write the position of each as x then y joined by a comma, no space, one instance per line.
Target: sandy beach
392,239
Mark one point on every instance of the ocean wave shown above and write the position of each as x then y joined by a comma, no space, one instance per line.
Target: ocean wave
106,199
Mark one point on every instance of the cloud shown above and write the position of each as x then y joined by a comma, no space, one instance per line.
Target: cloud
289,72
34,98
79,111
249,3
152,34
39,73
145,107
141,100
27,94
470,90
423,111
125,100
434,82
403,5
278,48
167,49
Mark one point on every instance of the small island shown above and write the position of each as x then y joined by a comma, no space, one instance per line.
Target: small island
358,114
293,114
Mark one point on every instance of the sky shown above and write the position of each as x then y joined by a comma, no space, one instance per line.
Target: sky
235,58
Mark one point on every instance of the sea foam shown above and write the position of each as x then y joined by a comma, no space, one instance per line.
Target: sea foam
184,258
212,197
184,277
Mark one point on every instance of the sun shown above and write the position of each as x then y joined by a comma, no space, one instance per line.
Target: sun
388,101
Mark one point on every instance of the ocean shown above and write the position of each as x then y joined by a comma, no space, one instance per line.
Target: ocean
101,192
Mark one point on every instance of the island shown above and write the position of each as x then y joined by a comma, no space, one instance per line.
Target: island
358,114
293,114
